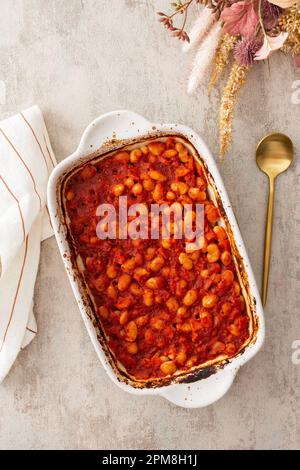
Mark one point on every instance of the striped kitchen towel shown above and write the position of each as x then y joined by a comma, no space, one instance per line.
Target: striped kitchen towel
26,161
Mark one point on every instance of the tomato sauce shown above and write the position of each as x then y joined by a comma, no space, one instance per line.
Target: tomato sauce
164,309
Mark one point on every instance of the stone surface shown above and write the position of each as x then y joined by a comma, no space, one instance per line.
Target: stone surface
77,60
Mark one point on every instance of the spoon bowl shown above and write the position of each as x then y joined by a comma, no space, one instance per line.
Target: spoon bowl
274,154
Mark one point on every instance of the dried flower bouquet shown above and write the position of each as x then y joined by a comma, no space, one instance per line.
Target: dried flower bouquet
241,33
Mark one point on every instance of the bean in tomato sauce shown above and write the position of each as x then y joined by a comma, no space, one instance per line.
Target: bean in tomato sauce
164,308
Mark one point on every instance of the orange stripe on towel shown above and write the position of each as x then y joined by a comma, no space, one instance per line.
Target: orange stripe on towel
31,331
25,165
49,153
36,139
19,207
16,295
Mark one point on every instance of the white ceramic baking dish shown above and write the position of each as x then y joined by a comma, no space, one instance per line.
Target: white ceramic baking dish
200,387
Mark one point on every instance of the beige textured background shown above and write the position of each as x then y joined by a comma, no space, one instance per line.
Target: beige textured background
78,59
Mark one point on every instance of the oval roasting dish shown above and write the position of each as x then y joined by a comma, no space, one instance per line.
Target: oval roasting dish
203,384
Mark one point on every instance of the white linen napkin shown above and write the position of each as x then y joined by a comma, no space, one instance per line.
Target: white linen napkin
26,161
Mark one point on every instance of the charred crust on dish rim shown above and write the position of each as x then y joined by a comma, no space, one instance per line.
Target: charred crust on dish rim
202,371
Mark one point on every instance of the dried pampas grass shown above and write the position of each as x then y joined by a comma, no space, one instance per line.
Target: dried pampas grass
204,57
200,28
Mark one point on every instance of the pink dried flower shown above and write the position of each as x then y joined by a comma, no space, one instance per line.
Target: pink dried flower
245,50
271,44
270,14
240,18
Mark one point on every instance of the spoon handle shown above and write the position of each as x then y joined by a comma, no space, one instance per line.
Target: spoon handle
268,240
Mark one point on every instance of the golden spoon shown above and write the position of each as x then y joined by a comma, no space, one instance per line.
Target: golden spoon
274,154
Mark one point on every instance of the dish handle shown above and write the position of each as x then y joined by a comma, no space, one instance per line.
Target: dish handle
201,393
116,125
